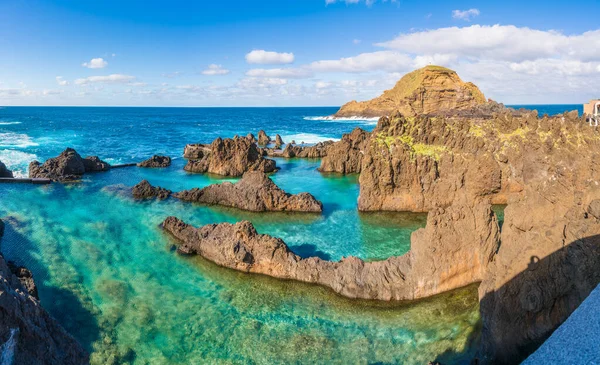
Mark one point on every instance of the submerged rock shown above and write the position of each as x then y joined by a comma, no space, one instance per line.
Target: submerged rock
254,192
28,334
428,90
144,190
156,161
442,256
67,166
345,156
4,171
230,157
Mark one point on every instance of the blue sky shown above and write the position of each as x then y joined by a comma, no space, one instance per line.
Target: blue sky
290,52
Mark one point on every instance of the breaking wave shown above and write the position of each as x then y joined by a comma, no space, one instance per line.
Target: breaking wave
9,123
309,138
16,140
17,161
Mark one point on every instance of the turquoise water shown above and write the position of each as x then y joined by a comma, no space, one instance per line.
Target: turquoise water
109,275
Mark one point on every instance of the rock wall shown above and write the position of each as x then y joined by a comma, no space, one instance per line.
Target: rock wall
345,156
442,256
68,166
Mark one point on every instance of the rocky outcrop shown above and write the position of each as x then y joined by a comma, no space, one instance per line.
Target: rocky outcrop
5,172
318,150
549,258
196,151
143,190
228,157
25,277
428,90
278,141
415,163
254,192
442,256
156,161
345,156
67,166
28,334
263,138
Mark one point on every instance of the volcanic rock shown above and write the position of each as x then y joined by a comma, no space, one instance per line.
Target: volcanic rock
95,164
156,161
196,151
28,334
67,166
144,190
345,156
263,139
278,141
254,192
319,150
231,157
442,256
428,90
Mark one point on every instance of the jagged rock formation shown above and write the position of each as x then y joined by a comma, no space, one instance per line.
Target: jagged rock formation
441,258
143,190
67,166
428,90
251,137
28,334
263,139
156,161
319,150
227,157
5,172
415,163
345,156
25,278
254,192
278,141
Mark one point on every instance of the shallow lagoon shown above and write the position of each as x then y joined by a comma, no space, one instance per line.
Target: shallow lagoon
108,273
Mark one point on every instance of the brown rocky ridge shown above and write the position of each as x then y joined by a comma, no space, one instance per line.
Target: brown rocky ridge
441,257
254,192
28,334
227,157
263,138
156,161
319,150
345,156
423,91
67,166
143,190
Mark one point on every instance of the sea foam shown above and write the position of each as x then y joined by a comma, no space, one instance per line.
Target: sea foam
17,161
16,140
309,138
9,123
329,118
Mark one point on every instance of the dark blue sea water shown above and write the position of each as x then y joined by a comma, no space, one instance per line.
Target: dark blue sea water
106,271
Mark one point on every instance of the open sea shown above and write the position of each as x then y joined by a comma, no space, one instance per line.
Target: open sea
108,274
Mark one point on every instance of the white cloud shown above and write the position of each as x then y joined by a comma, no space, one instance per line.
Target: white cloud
171,75
279,73
356,41
61,82
213,70
465,14
95,63
499,42
365,62
263,57
110,79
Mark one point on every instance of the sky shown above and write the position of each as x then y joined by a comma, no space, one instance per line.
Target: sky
290,52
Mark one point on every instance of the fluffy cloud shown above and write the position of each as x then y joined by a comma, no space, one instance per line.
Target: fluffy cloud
465,14
499,42
95,63
263,57
61,82
110,79
365,62
279,73
213,70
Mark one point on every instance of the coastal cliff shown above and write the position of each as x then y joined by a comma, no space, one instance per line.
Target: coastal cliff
28,334
423,91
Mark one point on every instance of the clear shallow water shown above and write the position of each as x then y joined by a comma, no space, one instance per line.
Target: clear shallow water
108,273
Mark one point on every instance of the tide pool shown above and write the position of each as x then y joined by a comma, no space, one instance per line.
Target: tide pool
110,276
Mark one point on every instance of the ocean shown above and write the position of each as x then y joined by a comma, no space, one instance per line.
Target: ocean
108,274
